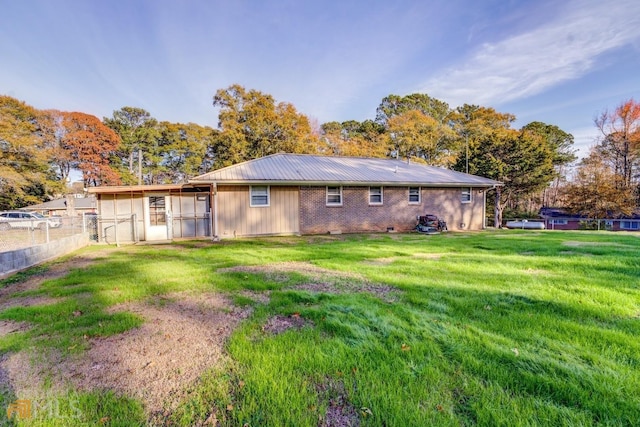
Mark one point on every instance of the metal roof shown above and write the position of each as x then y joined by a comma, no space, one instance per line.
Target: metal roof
79,203
136,188
322,170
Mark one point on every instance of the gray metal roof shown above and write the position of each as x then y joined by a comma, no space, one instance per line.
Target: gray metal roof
312,170
80,203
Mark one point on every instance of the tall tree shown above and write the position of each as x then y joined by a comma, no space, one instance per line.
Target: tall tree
561,145
620,142
137,130
395,105
92,144
597,190
415,134
52,131
253,125
353,138
26,176
523,160
186,149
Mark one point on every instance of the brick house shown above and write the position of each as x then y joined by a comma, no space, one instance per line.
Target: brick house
307,194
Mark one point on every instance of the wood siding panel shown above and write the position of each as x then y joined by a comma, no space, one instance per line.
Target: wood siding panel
237,218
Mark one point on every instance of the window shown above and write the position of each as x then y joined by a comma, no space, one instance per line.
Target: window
157,210
259,195
630,225
465,195
334,196
559,221
414,195
375,195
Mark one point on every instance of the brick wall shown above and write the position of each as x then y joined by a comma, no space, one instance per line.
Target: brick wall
357,215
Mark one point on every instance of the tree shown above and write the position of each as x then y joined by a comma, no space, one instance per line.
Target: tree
26,176
620,144
137,130
92,144
415,134
394,105
52,131
353,138
522,159
561,145
597,190
252,125
186,149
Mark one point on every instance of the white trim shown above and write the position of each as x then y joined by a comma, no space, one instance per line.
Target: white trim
251,204
381,202
419,195
339,187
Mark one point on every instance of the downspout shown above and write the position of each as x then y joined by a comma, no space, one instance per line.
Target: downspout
216,236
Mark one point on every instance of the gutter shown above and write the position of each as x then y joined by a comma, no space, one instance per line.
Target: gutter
488,186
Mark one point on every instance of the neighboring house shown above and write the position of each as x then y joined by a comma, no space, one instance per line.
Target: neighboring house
68,206
561,219
303,194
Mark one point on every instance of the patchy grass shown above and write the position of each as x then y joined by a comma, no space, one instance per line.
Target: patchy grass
503,328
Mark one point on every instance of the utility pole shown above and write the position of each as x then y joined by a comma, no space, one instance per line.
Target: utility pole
139,166
466,140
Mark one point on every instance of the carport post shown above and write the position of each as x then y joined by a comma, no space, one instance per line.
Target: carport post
115,229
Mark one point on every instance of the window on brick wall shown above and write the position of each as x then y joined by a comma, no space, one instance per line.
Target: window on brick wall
259,195
465,195
375,195
414,195
334,196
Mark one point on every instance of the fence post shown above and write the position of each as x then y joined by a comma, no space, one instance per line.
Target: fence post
169,217
115,229
46,228
84,222
134,224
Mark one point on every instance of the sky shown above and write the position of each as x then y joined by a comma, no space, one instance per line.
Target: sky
559,62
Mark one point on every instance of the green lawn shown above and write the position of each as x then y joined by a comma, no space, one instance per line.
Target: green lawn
495,328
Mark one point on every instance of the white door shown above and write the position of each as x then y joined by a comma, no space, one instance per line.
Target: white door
155,217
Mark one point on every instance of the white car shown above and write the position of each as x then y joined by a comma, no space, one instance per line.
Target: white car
20,219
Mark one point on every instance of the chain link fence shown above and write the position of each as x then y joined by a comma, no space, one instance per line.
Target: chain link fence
113,229
19,233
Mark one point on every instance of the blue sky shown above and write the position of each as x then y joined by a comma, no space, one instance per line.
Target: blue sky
560,62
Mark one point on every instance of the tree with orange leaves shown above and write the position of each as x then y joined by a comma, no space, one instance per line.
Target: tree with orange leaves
620,143
92,144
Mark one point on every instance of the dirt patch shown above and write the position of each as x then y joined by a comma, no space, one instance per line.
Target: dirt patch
182,336
322,279
54,271
279,324
9,327
428,256
384,292
340,412
380,261
305,268
259,297
27,301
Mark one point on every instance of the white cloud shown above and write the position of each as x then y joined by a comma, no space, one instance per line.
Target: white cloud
529,63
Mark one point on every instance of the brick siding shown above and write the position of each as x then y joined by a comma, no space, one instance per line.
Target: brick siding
357,215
